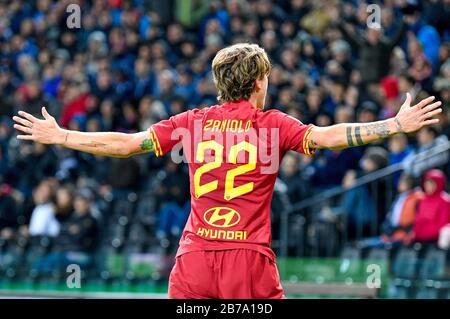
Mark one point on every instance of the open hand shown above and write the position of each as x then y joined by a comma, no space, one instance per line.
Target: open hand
45,131
412,118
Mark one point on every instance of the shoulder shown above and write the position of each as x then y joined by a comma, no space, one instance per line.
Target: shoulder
198,113
273,112
279,116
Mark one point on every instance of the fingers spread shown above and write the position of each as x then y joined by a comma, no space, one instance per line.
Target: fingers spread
408,100
45,113
431,114
21,128
430,122
28,116
431,107
25,137
424,102
22,121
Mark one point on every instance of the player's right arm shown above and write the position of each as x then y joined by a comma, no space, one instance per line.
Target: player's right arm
114,144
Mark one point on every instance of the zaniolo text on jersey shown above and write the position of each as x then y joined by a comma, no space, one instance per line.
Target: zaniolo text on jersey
233,151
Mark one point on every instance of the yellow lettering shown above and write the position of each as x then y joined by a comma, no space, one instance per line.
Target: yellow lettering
208,125
223,125
248,125
208,187
240,130
230,190
216,126
228,125
233,126
201,231
222,234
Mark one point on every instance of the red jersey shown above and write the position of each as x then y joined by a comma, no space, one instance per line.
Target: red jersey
233,151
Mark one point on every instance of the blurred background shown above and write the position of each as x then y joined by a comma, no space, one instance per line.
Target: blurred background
134,62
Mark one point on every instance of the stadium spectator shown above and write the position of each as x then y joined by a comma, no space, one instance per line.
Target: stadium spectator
174,180
297,188
76,239
397,226
426,34
374,50
400,219
174,203
35,162
421,69
357,206
444,237
128,169
376,158
390,89
131,61
172,218
398,150
423,158
43,221
64,203
8,210
434,209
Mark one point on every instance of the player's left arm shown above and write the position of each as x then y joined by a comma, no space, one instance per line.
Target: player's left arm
409,119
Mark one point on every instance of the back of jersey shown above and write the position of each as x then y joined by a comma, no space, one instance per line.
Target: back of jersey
233,152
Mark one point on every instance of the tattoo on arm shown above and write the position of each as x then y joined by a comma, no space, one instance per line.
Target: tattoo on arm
359,140
312,144
147,145
381,129
349,136
355,138
93,144
397,123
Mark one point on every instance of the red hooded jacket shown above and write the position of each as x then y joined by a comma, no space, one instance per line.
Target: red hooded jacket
434,209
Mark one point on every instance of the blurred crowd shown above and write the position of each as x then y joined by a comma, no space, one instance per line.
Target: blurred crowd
135,62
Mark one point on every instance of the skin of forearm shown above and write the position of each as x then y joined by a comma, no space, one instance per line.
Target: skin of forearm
105,144
346,135
111,144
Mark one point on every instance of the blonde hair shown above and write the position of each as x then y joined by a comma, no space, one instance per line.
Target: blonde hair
235,69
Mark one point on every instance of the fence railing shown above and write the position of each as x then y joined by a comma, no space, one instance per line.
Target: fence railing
325,197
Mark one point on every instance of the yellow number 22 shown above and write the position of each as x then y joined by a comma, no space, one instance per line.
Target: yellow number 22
230,191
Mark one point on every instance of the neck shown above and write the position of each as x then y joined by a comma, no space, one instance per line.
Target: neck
253,101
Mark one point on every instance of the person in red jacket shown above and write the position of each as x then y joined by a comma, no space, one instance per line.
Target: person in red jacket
434,209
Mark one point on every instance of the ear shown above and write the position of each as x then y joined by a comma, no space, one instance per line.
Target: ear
258,85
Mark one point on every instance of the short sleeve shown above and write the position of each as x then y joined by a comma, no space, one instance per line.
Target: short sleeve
161,133
294,135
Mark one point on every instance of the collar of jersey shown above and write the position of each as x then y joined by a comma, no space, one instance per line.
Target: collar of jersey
238,104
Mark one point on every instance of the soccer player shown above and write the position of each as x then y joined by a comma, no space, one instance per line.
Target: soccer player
233,151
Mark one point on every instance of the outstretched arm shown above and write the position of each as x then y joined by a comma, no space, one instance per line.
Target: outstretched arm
409,119
399,34
47,131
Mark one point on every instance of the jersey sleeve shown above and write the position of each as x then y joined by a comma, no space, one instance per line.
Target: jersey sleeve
294,135
161,133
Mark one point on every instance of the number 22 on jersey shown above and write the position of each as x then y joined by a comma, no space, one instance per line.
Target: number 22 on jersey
230,190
